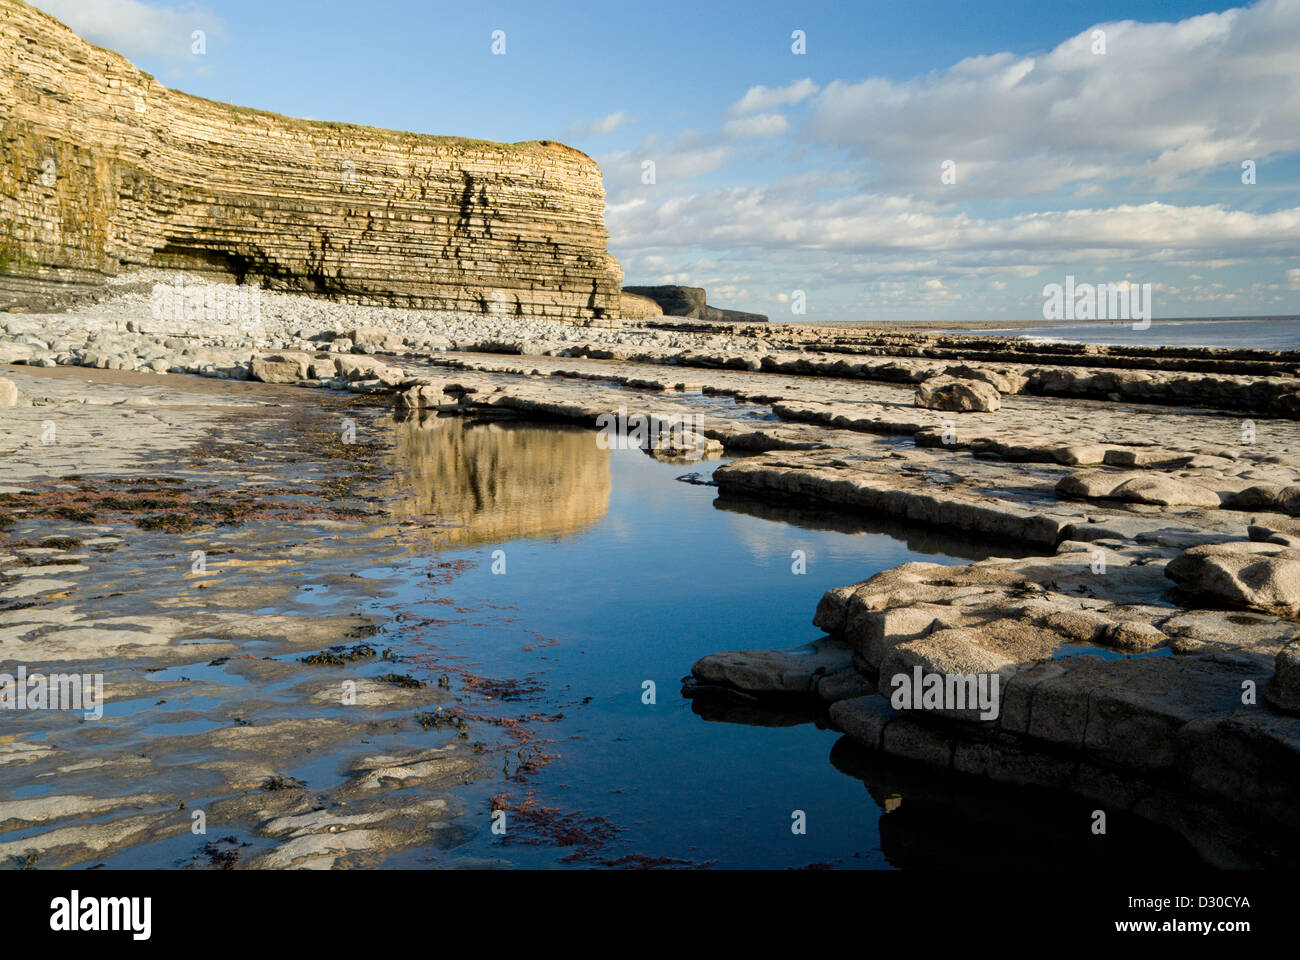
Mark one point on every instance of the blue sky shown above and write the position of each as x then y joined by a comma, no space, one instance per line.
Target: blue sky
822,172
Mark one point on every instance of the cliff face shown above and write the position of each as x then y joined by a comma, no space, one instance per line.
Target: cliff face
102,167
677,301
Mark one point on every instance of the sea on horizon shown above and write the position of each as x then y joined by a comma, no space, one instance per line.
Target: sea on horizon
1262,334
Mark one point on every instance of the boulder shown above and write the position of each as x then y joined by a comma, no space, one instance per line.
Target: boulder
1261,496
1283,691
8,393
1138,486
1285,406
957,395
1004,381
355,367
459,392
280,368
420,396
948,654
14,352
844,684
1265,576
1142,457
864,718
1275,529
1079,454
681,444
375,336
761,672
1165,491
319,369
1288,499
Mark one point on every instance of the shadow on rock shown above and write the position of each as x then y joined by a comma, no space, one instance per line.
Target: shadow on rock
933,821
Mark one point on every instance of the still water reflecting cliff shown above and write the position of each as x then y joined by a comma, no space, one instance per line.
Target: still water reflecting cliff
496,481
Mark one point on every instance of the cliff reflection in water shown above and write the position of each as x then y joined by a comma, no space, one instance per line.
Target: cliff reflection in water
501,480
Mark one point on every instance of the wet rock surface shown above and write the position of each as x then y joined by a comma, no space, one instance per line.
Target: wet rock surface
242,692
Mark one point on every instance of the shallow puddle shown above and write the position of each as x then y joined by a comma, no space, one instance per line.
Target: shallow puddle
588,582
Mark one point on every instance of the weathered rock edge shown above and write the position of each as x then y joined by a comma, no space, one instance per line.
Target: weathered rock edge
1108,688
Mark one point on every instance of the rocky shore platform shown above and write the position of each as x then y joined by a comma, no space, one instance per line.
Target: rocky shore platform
225,561
1146,650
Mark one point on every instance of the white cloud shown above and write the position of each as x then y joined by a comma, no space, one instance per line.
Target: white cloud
605,125
135,29
757,125
1166,100
764,98
624,171
1166,104
889,234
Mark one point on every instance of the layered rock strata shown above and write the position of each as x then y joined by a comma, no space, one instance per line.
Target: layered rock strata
103,167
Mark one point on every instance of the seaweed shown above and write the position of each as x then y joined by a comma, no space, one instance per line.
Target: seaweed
279,782
337,656
401,680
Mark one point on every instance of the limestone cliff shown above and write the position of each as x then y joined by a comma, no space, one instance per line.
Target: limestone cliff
103,167
677,301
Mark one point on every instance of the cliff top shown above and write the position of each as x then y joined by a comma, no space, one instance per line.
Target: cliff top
335,126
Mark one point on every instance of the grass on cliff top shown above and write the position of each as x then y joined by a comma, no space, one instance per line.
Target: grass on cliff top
405,136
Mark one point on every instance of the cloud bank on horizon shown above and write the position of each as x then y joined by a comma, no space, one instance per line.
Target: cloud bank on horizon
1122,164
1164,153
